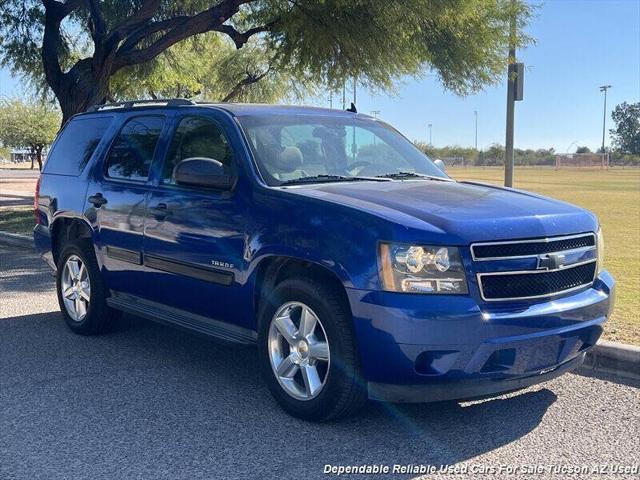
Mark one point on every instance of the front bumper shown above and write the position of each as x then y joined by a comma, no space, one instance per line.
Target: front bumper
439,347
464,389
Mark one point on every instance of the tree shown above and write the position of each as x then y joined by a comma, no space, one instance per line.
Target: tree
31,126
207,66
78,46
626,134
583,150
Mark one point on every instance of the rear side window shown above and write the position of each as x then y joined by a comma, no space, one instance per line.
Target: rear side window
76,145
132,151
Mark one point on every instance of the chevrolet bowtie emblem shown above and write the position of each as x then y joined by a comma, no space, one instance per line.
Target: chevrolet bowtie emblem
551,261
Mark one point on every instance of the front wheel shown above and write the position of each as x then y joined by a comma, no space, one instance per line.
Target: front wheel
307,351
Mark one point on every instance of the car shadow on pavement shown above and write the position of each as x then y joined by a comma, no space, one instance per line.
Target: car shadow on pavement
21,276
150,401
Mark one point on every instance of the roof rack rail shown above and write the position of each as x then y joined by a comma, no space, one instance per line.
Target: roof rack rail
169,102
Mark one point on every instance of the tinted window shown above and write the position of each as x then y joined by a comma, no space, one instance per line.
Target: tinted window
196,137
132,152
76,144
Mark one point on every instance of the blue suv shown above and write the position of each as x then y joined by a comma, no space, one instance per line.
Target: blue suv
357,266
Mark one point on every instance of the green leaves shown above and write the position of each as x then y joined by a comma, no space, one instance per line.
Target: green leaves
263,50
626,135
208,66
25,125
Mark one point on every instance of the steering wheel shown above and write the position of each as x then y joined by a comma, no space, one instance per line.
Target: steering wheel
373,170
359,163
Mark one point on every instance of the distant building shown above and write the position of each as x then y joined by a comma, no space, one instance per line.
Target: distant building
24,155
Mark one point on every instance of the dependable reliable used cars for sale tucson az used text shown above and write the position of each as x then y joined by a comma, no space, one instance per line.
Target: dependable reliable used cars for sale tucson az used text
358,267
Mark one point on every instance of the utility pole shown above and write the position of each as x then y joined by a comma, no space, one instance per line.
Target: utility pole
430,131
475,112
354,145
511,98
355,87
344,95
604,89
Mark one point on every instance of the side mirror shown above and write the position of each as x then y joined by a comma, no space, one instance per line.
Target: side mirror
440,164
203,172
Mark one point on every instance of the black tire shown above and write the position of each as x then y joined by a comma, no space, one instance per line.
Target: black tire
99,317
344,392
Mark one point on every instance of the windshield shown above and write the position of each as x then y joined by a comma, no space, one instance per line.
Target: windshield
291,148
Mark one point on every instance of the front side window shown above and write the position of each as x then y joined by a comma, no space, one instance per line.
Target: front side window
294,147
132,152
197,137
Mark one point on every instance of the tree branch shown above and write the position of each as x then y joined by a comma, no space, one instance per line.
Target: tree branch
148,29
54,13
249,79
142,16
97,24
240,38
205,21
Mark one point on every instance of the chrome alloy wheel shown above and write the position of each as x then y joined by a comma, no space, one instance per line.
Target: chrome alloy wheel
298,350
76,288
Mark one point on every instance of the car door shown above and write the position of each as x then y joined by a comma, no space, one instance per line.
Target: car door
194,237
117,198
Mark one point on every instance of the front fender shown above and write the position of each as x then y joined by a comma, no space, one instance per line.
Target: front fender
339,238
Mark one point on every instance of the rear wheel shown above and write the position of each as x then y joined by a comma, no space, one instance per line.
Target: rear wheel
307,351
81,291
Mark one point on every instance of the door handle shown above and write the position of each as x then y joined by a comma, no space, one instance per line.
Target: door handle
97,200
160,211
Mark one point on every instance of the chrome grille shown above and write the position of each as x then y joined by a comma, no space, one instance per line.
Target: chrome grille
531,248
574,267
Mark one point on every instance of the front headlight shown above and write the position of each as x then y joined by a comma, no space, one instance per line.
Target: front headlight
421,269
600,247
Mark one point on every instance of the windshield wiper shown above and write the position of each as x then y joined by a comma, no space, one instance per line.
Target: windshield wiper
403,175
331,178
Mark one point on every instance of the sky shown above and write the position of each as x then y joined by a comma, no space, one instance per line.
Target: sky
580,45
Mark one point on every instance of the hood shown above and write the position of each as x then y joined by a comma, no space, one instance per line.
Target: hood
463,212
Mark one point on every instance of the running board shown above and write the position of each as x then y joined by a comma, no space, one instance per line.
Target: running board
174,316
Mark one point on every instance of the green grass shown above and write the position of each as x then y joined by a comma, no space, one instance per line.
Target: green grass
17,220
614,196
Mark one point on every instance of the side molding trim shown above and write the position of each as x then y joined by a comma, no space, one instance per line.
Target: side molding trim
125,255
171,266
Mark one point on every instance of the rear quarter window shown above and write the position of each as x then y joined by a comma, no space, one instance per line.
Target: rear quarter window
75,145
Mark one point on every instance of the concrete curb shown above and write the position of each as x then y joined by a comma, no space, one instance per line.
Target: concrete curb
16,240
614,358
607,357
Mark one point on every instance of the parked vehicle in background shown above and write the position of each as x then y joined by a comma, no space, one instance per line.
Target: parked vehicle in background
359,268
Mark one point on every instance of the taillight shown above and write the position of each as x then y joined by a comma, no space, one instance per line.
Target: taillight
36,198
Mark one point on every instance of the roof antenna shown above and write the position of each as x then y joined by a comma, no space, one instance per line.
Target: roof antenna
352,108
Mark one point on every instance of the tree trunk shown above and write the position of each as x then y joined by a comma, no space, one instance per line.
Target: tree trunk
81,88
39,157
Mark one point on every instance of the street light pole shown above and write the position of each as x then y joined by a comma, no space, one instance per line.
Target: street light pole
604,89
430,131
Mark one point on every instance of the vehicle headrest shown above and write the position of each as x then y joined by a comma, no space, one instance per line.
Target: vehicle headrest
289,160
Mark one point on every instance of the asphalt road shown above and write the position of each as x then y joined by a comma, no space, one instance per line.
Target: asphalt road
148,401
